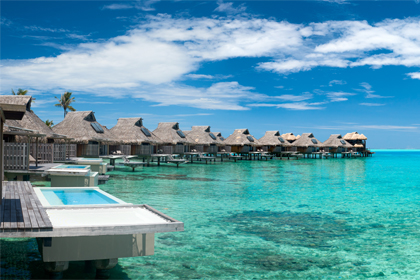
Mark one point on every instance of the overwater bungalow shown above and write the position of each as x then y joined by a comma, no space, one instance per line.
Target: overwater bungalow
13,107
290,137
307,144
336,145
241,141
82,229
92,138
358,141
135,138
222,147
273,142
174,141
203,140
45,145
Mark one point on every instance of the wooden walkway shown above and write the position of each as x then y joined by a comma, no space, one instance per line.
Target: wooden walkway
21,210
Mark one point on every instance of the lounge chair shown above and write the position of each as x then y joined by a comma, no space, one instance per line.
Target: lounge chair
31,159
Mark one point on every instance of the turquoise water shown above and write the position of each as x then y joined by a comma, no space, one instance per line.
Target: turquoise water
76,197
299,219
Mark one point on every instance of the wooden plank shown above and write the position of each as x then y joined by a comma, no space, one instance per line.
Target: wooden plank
26,218
34,224
7,211
2,207
43,214
38,217
13,214
19,212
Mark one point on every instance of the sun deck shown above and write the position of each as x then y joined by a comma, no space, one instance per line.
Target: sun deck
21,210
24,215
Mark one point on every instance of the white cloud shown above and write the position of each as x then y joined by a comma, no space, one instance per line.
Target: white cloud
387,127
144,5
227,7
4,21
367,88
46,29
354,43
337,82
162,51
335,96
292,106
414,75
207,77
220,96
118,7
290,97
371,104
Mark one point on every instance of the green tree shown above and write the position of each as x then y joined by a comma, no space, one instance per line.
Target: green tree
65,102
22,92
49,123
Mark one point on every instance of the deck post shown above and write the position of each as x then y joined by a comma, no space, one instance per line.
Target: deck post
55,269
36,152
103,267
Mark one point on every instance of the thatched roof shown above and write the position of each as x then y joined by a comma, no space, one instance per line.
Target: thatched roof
167,132
31,121
130,131
273,138
335,141
354,136
306,141
219,137
240,138
15,106
289,136
78,125
201,135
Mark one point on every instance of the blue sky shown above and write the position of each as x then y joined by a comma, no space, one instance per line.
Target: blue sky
325,67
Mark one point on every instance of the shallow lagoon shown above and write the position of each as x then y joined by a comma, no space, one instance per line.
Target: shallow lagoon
305,219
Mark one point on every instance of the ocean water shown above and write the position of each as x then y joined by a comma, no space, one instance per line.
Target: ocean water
298,219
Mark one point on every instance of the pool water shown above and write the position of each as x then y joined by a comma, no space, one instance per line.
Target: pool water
76,197
72,167
299,219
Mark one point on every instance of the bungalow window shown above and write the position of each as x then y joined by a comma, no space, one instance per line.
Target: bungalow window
212,136
281,140
314,141
343,142
146,131
180,133
250,139
222,138
97,127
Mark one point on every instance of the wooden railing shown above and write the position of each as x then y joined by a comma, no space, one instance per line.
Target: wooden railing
199,148
212,150
59,152
71,150
125,149
16,156
45,152
179,149
143,149
90,150
166,149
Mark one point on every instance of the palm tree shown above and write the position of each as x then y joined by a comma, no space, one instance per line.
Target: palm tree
65,102
49,123
22,92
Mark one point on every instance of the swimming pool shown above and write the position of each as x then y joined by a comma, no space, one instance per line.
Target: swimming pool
66,166
75,196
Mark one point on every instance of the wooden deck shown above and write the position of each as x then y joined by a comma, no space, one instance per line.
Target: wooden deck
21,210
